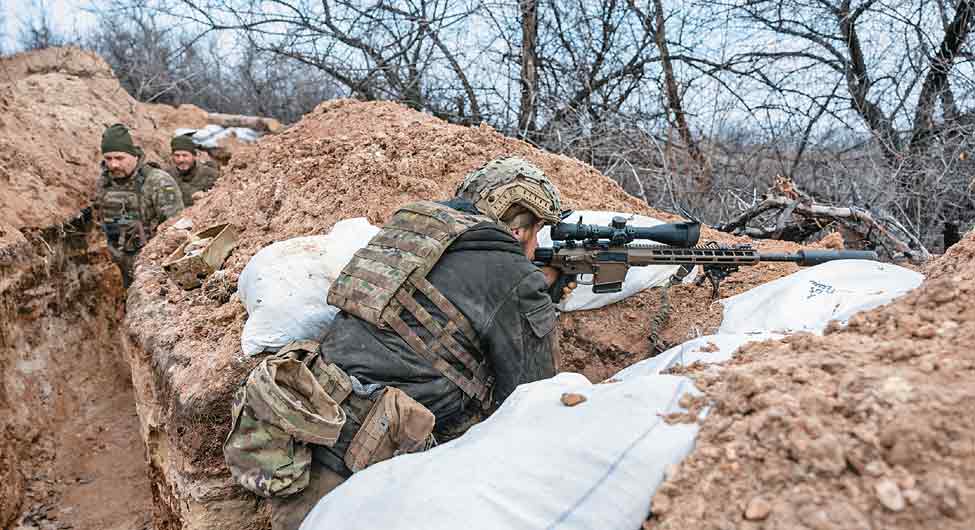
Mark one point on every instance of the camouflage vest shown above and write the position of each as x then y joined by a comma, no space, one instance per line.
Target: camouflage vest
123,214
381,279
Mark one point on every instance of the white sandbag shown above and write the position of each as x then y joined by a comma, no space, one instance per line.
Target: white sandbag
637,279
706,349
285,285
807,300
535,463
211,135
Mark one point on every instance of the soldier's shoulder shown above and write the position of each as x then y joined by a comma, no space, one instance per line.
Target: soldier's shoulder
157,177
209,168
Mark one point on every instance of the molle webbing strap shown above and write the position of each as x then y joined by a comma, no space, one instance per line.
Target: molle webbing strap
455,321
475,389
381,279
408,246
442,337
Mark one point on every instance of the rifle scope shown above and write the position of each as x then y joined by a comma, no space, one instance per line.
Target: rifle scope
673,234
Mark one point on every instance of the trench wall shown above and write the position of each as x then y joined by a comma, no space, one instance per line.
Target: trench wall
61,363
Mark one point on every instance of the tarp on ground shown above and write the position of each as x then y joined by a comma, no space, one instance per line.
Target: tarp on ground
536,463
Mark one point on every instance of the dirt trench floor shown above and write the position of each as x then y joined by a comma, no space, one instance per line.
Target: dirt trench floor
91,473
69,415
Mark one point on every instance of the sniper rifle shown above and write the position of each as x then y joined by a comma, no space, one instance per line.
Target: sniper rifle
607,253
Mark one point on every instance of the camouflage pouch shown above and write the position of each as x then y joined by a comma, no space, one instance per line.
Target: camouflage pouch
262,458
334,381
281,408
396,424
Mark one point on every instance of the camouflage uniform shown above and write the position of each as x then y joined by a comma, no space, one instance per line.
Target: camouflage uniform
200,177
130,209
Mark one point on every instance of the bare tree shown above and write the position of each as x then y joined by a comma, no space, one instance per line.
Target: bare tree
38,31
657,26
529,68
376,50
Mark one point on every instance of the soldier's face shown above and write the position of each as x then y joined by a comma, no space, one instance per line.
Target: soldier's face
119,164
528,237
184,159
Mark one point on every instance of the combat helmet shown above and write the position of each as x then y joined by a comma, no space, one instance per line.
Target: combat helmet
505,182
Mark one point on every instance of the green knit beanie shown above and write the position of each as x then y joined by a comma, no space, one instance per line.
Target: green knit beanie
117,139
183,142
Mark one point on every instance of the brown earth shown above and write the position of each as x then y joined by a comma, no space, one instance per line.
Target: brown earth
54,105
345,159
867,427
71,455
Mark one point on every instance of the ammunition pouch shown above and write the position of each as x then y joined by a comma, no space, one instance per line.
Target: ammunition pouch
277,413
294,401
396,424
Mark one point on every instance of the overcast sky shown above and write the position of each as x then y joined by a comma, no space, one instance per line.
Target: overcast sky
69,16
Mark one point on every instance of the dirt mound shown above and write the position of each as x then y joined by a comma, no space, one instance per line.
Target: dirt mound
958,258
54,105
345,159
866,427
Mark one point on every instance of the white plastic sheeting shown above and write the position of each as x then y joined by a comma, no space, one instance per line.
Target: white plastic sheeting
211,135
538,464
807,300
284,286
534,463
637,279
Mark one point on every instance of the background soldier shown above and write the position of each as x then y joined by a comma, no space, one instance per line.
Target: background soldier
443,315
190,173
133,198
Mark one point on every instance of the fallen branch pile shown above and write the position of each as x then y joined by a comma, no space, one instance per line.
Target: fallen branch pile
787,213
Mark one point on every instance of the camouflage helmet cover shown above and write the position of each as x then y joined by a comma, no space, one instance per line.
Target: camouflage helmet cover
505,182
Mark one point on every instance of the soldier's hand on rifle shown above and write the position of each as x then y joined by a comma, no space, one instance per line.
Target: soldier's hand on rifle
560,285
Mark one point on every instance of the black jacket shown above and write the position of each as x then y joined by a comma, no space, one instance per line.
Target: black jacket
485,274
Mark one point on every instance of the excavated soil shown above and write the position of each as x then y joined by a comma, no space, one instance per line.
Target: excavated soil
867,427
71,455
345,159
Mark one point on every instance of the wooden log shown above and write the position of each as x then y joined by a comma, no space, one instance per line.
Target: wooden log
258,123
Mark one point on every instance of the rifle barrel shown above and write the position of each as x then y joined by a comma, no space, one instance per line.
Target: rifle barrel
807,258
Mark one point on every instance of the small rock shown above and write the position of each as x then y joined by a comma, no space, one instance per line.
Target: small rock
947,327
896,389
758,509
926,331
889,495
875,468
912,495
660,504
570,399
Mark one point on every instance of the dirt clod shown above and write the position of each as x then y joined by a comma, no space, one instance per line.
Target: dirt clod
758,509
570,399
889,495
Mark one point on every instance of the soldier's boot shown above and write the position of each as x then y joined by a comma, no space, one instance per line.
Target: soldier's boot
287,513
